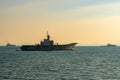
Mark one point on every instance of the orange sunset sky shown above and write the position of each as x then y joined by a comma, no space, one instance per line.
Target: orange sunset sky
87,22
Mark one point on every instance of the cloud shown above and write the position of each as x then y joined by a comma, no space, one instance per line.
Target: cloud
62,9
95,10
24,8
39,4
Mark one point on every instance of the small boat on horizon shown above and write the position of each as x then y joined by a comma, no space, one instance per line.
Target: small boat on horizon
109,45
9,44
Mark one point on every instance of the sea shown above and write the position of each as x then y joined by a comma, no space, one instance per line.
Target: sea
83,63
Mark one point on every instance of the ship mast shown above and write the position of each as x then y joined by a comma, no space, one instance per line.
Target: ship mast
48,36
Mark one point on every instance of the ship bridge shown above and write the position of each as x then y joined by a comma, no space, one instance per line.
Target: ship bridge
47,42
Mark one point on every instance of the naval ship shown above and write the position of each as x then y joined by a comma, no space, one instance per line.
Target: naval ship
48,45
109,45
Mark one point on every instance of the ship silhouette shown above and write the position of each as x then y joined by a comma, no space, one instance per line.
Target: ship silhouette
48,45
9,44
109,45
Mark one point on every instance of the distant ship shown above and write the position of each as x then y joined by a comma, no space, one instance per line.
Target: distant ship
10,45
48,45
109,45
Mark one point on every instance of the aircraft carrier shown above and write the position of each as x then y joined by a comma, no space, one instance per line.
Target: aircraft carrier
48,45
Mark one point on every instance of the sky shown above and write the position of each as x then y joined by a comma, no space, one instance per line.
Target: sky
87,22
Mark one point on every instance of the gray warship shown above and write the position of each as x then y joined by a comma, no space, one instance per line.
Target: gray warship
48,45
109,45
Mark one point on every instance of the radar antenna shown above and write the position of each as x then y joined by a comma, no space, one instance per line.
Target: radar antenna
48,37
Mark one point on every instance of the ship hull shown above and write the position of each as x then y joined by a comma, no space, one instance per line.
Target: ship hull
48,48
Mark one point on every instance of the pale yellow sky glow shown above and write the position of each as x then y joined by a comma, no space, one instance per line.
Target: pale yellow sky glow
87,22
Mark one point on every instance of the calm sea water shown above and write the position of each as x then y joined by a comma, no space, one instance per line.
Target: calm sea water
84,63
